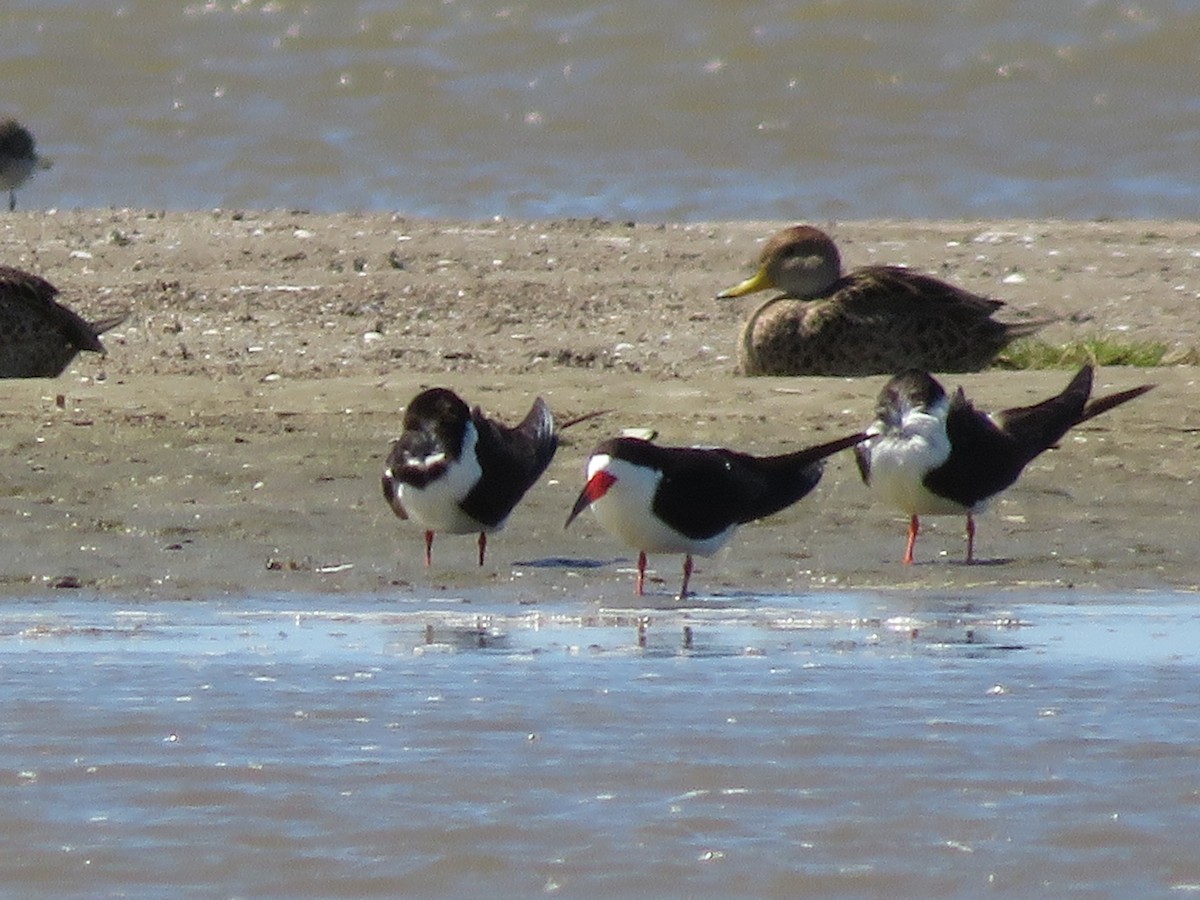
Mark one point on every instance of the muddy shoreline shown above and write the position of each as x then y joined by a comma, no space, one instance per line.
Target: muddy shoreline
230,443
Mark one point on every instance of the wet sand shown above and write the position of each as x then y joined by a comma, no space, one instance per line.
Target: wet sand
231,442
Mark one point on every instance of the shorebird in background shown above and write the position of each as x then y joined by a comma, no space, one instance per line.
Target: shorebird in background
38,335
873,321
691,500
18,158
458,471
933,454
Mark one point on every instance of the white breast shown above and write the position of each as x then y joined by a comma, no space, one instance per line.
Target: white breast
436,506
626,511
901,458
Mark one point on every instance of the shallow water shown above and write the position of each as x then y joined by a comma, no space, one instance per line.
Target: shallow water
822,745
673,110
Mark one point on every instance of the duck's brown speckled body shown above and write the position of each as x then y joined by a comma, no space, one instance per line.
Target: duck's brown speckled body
38,335
876,320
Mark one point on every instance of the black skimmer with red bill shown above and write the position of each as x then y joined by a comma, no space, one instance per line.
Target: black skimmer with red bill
935,454
38,335
691,500
457,471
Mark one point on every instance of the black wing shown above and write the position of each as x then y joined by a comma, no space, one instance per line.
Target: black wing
1038,427
984,459
1045,423
1104,404
512,459
39,336
989,456
789,477
704,491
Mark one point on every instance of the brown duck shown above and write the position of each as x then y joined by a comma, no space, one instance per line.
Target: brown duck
876,320
38,335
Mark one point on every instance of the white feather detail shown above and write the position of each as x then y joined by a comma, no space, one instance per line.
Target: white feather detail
436,506
626,511
902,457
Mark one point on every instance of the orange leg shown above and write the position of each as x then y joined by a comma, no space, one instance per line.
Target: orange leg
428,549
641,576
970,538
687,576
914,528
482,546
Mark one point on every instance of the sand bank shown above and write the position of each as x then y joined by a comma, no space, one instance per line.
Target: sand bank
231,441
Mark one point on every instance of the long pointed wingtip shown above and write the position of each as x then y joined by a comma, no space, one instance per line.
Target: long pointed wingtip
1085,375
820,451
1111,401
539,421
591,415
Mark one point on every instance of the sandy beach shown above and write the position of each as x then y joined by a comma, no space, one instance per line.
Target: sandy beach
231,442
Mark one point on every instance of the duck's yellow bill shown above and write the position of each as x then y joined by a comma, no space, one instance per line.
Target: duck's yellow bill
760,281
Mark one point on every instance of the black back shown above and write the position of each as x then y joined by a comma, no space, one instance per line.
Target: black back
705,490
988,456
512,460
983,459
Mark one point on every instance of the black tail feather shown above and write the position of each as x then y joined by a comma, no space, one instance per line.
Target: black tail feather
1104,404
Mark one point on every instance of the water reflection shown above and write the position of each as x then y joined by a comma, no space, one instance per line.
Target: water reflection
1129,631
808,746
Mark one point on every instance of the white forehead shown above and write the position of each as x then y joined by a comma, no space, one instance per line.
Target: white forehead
598,463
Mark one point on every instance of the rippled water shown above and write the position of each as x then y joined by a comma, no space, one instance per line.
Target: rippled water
665,110
824,745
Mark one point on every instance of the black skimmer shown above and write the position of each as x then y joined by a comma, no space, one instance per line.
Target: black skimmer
934,454
38,335
691,500
18,158
872,321
458,471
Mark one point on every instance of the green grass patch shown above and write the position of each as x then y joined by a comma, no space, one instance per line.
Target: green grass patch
1031,353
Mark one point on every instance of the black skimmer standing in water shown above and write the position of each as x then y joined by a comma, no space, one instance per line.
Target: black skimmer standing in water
18,158
457,471
38,335
691,500
934,454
